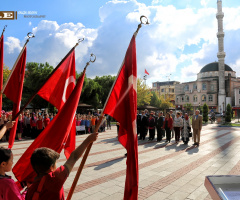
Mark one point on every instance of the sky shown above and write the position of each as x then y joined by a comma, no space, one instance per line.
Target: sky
180,40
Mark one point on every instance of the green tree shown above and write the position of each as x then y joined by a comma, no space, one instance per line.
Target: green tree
205,112
6,103
165,103
154,100
228,117
188,107
143,93
35,75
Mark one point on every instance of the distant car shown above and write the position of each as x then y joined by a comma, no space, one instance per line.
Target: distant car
217,114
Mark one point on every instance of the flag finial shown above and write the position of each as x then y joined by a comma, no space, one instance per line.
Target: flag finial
3,29
29,35
92,60
142,22
79,40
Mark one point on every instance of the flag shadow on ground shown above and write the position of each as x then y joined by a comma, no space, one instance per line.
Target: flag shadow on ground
109,163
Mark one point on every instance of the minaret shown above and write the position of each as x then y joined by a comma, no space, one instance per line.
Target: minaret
221,58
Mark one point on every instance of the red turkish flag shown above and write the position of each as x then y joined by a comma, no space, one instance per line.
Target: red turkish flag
13,90
57,90
53,136
1,70
146,72
122,106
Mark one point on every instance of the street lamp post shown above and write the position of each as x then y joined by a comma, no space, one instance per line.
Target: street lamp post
199,107
220,109
145,78
223,107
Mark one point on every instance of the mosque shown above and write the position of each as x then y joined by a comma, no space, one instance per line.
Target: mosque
216,84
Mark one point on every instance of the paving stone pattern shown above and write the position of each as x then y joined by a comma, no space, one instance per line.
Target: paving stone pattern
166,170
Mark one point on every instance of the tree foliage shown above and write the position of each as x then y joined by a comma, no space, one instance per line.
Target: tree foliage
143,93
35,76
154,100
188,107
228,117
165,103
205,112
6,103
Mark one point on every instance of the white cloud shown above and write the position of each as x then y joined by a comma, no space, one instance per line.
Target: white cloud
204,2
13,45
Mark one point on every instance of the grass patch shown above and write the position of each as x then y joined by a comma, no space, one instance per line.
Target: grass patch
231,124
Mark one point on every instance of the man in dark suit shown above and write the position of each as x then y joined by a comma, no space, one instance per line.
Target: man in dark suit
159,125
143,126
138,122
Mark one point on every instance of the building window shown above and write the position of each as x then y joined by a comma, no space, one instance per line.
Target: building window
194,86
195,98
216,73
172,90
204,86
210,98
204,97
212,87
186,88
210,73
154,84
187,98
182,99
239,101
177,99
162,90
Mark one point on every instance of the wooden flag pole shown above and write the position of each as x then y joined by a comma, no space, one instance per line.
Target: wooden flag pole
96,129
83,162
3,30
31,98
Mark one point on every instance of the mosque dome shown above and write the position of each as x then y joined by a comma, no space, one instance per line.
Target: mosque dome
214,67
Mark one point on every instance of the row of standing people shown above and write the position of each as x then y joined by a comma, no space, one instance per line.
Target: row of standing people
171,124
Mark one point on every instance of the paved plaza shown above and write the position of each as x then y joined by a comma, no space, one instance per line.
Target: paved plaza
166,171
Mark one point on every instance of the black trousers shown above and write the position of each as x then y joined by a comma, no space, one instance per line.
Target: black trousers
168,134
177,133
143,133
151,133
159,134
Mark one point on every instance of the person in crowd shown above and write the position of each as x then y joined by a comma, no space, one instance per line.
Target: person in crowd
173,116
109,122
151,127
186,129
4,120
138,122
181,115
51,117
43,161
27,127
33,124
197,127
78,120
159,126
143,126
39,125
5,127
168,126
93,123
177,126
104,124
20,126
83,121
88,123
46,120
8,187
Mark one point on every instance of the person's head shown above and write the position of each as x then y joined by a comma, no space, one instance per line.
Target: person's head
160,113
186,116
43,160
6,159
178,114
197,112
150,116
20,117
171,112
168,115
143,112
40,117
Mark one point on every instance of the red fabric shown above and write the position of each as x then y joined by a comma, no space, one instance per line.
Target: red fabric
146,72
54,136
170,123
53,185
58,89
122,106
13,91
33,123
1,70
46,121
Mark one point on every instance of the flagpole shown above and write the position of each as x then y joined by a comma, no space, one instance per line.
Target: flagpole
3,30
59,64
29,35
98,124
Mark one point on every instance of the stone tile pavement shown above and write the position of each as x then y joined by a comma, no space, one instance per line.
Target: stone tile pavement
166,171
